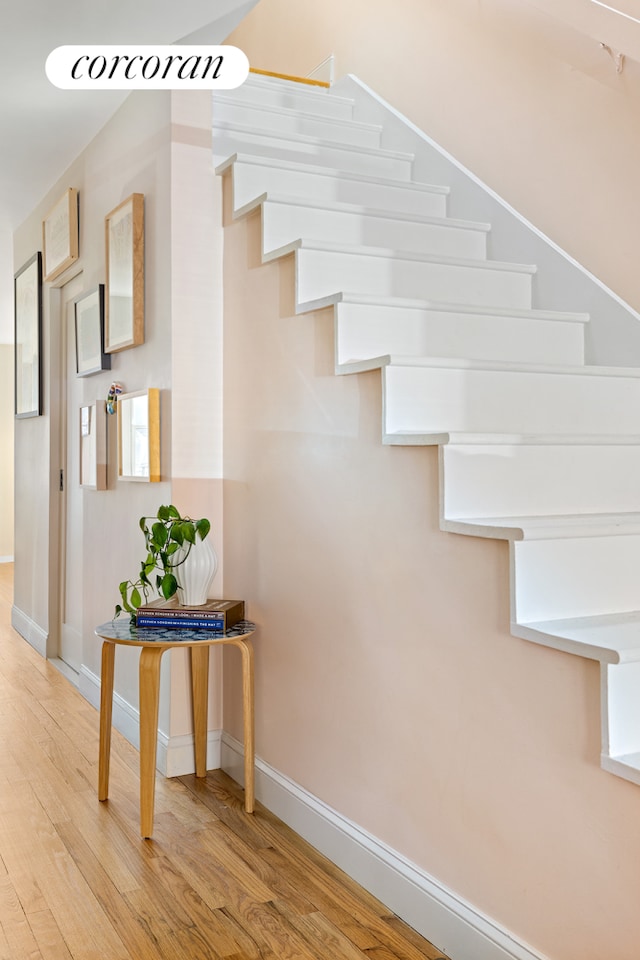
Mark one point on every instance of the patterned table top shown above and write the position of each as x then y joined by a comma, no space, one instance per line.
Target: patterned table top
121,630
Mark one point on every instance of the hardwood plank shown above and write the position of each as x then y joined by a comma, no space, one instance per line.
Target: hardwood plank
47,936
15,926
327,940
270,931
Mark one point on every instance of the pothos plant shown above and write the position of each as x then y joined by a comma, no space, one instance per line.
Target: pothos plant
164,537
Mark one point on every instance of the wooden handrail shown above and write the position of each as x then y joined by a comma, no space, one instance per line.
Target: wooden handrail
286,76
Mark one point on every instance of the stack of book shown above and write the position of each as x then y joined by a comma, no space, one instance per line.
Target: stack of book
217,615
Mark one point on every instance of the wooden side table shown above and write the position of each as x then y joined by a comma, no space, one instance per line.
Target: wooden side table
154,641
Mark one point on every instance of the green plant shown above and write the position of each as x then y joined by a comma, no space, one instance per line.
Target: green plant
164,538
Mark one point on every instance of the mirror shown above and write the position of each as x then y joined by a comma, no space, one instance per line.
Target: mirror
139,435
93,446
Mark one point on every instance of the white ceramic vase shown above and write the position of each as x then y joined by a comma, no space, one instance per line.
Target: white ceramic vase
196,574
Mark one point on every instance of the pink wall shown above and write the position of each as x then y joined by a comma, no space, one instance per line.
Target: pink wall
388,684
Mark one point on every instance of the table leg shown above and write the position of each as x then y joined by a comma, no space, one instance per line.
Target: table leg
106,708
149,702
246,649
200,694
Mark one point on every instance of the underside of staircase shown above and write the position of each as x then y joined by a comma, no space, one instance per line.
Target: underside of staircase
535,446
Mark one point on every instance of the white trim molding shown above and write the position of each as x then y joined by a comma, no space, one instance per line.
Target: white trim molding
456,927
175,756
29,630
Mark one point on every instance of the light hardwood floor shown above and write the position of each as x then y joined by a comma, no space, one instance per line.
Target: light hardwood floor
76,880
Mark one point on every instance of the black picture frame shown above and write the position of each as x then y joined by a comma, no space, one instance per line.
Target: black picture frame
89,333
28,338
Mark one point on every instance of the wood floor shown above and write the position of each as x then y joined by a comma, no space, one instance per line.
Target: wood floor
77,882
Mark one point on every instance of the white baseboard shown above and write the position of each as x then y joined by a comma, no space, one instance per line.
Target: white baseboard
453,925
30,630
6,559
175,754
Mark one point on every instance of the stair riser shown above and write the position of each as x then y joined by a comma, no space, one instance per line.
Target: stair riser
306,99
585,576
368,330
227,141
250,180
283,223
433,400
529,480
321,273
620,700
272,123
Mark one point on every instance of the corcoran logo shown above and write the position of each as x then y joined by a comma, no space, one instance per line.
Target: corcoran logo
146,67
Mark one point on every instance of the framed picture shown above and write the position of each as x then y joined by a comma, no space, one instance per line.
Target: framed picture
93,445
124,301
89,319
28,338
60,235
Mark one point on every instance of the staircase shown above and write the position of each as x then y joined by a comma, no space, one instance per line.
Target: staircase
535,446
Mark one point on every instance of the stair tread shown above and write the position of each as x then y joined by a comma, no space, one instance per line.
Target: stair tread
420,438
360,210
498,366
319,142
288,111
542,439
322,170
441,306
327,246
547,527
611,633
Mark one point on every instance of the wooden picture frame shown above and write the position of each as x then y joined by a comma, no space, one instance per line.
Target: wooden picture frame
93,445
28,338
89,329
60,237
124,297
139,436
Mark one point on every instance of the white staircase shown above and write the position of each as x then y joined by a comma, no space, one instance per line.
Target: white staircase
535,447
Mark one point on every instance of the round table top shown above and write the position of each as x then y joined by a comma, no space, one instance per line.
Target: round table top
123,631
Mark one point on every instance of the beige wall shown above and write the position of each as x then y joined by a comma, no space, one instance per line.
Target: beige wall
6,451
387,681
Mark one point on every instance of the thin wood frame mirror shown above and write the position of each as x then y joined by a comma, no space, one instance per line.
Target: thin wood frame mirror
124,301
139,436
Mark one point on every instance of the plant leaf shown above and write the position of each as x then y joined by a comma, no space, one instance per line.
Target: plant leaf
136,599
176,533
173,512
168,586
164,513
203,526
160,534
189,531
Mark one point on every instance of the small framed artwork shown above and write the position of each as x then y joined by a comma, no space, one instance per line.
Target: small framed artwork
60,235
124,300
139,435
89,321
93,445
28,338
